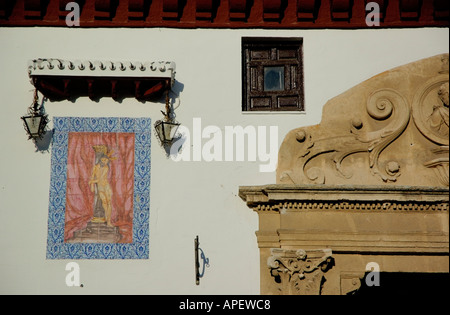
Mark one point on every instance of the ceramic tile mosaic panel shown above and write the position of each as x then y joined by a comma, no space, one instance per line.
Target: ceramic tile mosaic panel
99,188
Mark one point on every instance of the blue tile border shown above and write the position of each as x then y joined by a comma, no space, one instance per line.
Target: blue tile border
139,248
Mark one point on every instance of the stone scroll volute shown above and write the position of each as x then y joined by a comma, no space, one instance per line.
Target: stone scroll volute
392,129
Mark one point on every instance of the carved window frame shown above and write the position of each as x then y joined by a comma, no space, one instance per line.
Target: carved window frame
260,53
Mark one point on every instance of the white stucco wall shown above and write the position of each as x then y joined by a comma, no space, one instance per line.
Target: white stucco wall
200,198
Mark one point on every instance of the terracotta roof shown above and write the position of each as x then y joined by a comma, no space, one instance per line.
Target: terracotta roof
297,14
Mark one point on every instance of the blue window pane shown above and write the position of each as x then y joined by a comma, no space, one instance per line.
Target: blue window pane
273,78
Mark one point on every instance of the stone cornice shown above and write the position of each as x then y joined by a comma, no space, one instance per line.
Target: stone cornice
287,194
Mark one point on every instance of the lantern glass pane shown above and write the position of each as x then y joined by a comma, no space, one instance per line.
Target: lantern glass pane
166,130
159,130
170,129
33,124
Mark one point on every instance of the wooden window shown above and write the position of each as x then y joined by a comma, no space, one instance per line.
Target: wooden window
272,74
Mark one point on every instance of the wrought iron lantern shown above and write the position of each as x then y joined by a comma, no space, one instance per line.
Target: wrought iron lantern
167,129
36,121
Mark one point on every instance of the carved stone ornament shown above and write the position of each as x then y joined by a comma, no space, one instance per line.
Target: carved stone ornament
370,182
351,282
391,129
299,271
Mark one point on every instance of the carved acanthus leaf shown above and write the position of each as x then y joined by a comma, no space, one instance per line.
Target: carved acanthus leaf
385,104
299,271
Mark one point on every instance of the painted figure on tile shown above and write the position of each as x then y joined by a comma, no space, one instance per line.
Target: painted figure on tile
100,186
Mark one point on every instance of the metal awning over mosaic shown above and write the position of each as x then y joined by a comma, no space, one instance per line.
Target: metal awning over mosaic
60,79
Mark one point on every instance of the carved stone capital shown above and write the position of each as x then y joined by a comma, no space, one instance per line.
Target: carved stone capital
299,272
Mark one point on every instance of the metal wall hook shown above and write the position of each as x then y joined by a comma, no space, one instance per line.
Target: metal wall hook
205,260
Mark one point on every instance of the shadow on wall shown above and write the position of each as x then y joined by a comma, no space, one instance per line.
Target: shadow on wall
43,145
